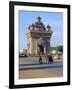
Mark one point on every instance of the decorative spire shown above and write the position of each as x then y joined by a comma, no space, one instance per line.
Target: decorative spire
32,25
48,27
29,27
38,22
39,18
39,26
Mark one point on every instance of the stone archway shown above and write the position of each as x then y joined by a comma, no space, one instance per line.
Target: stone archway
41,49
40,45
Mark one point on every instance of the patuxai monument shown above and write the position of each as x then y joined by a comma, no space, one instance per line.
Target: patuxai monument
38,38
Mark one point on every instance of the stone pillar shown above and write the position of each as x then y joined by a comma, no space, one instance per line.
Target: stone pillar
48,48
44,49
36,48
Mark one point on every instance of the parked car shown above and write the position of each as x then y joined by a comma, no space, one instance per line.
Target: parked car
23,55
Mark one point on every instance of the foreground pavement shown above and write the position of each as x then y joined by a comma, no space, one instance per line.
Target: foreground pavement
30,68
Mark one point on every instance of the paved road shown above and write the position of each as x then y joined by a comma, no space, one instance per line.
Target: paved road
30,68
33,60
32,63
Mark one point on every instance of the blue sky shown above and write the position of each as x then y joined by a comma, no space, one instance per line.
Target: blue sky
55,19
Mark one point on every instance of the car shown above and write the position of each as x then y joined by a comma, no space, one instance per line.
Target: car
55,57
23,55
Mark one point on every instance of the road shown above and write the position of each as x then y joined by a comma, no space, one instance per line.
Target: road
30,68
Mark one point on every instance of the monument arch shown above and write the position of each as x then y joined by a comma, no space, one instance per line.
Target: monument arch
38,37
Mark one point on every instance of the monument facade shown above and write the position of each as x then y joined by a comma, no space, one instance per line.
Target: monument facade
38,38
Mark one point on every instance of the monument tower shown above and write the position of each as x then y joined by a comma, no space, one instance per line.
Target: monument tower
38,37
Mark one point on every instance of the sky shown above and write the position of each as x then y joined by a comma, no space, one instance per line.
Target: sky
54,19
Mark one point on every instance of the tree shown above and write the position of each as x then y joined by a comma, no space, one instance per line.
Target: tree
60,48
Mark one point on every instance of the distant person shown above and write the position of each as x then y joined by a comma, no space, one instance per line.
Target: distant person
40,59
50,59
46,58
